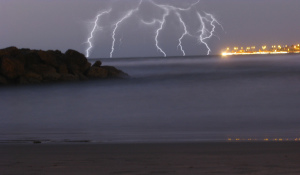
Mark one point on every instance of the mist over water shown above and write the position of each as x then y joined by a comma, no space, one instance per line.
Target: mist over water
167,99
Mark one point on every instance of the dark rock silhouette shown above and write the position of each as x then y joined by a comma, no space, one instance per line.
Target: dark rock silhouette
97,64
97,72
25,66
11,67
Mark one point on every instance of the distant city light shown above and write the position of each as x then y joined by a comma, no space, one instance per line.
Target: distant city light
263,139
276,49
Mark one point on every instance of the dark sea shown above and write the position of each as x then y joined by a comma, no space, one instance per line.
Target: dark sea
175,99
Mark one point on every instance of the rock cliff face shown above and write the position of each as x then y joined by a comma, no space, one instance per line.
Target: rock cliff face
25,66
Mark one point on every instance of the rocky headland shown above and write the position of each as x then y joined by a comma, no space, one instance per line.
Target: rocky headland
25,66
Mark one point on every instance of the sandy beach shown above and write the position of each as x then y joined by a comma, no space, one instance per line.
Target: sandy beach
152,158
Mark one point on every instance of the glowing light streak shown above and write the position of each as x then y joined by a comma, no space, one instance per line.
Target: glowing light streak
89,41
149,23
276,49
167,9
204,36
205,33
170,7
126,16
212,21
183,35
252,53
161,22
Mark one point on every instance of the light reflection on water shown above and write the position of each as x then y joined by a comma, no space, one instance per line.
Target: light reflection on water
173,99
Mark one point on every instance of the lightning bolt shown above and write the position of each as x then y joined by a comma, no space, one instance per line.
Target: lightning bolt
126,16
183,35
207,26
89,40
161,22
213,20
203,32
204,36
167,9
184,26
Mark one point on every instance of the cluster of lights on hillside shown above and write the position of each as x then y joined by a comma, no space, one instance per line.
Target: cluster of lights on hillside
274,49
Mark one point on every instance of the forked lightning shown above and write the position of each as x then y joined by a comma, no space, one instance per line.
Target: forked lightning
206,32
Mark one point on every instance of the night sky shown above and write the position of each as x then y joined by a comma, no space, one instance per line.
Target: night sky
64,24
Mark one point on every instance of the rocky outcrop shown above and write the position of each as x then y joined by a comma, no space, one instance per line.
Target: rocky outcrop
25,66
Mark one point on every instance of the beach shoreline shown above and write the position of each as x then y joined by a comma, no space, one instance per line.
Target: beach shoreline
152,158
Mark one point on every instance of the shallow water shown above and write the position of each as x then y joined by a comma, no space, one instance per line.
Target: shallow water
167,99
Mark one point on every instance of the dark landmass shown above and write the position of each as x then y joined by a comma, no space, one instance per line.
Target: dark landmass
25,66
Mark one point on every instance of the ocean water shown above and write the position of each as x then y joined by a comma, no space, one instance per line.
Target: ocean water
165,100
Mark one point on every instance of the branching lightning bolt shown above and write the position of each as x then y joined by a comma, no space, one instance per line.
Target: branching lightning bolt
203,32
212,21
161,22
184,27
203,36
127,15
89,41
207,26
168,9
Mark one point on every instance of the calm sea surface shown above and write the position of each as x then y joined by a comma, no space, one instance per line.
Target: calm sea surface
167,99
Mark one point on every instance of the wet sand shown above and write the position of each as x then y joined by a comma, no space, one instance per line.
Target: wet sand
151,158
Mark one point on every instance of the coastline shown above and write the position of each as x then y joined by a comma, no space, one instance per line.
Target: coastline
152,158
